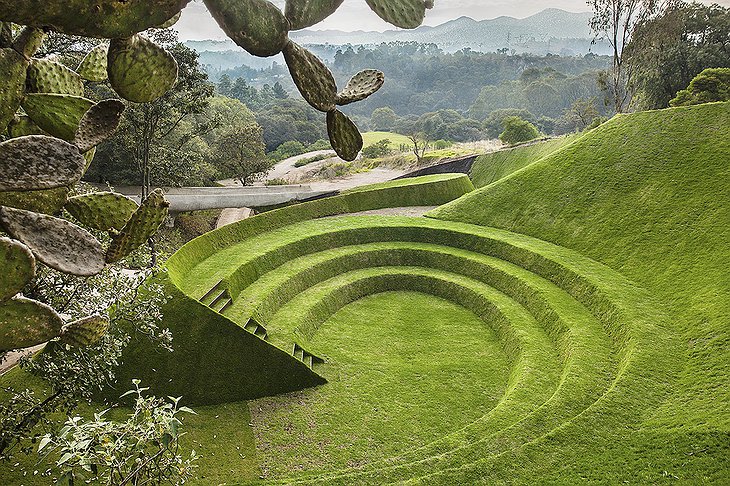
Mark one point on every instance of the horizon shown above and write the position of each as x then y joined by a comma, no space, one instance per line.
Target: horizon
354,15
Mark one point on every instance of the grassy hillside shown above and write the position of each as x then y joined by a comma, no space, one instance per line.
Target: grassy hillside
648,194
396,139
492,167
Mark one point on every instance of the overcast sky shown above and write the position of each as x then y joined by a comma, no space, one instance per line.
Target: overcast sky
196,23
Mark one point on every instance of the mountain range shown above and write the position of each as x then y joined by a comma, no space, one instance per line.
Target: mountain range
549,31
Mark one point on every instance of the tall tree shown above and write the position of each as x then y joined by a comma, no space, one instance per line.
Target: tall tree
614,21
667,51
240,153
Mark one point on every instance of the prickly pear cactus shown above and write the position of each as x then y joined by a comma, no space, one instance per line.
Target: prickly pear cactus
93,66
313,79
362,85
57,114
98,18
84,332
17,267
25,322
46,76
102,210
344,135
139,70
97,124
56,242
46,201
39,162
406,14
306,13
256,25
140,227
22,125
13,66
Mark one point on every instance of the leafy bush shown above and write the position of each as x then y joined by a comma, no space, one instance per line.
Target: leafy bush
377,150
494,123
517,130
709,86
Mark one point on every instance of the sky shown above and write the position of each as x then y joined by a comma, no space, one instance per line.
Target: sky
196,23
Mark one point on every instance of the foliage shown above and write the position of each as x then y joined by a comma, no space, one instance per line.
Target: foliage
709,86
517,130
615,21
240,154
579,116
383,119
144,449
381,148
494,123
668,50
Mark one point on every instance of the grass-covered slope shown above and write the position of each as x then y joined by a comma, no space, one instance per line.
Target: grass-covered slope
494,166
648,194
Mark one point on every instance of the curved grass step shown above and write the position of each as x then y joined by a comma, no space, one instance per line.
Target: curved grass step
585,377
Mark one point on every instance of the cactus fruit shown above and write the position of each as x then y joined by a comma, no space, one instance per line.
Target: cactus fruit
17,267
13,66
139,70
93,66
344,135
102,210
39,162
256,25
84,332
140,227
46,76
100,18
57,114
56,242
313,79
362,85
46,201
305,13
25,322
98,123
406,14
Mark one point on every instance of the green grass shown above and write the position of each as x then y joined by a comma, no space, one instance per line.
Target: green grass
414,379
396,139
492,167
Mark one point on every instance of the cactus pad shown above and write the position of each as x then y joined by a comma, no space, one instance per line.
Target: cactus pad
102,210
39,162
22,125
172,21
46,76
305,13
13,66
17,267
98,18
256,25
140,227
98,123
139,70
25,322
56,242
93,66
344,135
362,85
84,332
57,114
313,79
406,14
46,201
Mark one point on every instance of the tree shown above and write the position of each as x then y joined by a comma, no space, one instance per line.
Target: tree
494,123
241,154
225,85
383,119
709,86
667,51
517,130
420,145
615,20
381,148
580,114
279,91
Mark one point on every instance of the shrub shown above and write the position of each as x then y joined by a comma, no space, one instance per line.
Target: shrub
517,130
442,144
494,123
377,150
709,86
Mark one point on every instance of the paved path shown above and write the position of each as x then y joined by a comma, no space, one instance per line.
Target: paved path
232,215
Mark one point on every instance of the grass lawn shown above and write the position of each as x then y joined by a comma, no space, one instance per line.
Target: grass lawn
396,139
404,368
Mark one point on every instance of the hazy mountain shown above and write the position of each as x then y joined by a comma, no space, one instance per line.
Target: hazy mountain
550,31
